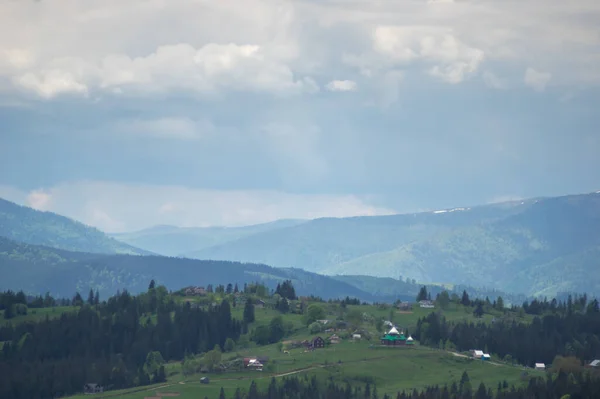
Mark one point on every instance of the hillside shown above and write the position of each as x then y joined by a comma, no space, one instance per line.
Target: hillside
538,246
175,241
27,225
37,269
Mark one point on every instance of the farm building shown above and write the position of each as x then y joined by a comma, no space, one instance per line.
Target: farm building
253,364
540,366
477,354
318,342
410,340
594,364
334,339
486,356
393,337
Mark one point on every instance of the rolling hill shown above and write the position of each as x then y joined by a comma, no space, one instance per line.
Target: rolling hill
27,225
175,241
539,246
37,269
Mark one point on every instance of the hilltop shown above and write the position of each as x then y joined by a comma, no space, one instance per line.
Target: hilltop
27,225
539,246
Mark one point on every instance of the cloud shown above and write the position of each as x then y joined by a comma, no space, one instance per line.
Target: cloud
209,69
453,60
342,85
537,80
119,207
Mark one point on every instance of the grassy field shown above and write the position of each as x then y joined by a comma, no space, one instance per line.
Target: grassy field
392,369
36,314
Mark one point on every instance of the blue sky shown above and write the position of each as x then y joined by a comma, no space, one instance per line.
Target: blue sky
194,113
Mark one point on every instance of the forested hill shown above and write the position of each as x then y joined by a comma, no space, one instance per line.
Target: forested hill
37,269
30,226
539,247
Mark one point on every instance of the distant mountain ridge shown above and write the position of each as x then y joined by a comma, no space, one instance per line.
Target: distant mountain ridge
38,269
27,225
537,246
176,241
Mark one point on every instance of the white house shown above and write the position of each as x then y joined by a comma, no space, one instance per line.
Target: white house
356,336
540,366
477,354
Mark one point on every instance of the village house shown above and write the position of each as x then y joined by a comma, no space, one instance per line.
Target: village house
356,337
259,303
334,339
486,356
477,354
594,364
195,291
318,342
255,363
540,366
91,388
426,304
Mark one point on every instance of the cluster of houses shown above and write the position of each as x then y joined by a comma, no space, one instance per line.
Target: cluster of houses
195,291
427,304
478,354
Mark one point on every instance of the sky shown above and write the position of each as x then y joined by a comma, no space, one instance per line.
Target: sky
125,115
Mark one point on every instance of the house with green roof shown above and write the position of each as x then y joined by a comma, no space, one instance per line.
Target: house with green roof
394,338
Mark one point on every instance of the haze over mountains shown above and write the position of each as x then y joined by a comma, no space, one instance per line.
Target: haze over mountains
536,246
539,246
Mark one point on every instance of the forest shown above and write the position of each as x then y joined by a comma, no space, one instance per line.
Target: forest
114,342
569,328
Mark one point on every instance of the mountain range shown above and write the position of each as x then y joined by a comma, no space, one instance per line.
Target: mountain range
539,246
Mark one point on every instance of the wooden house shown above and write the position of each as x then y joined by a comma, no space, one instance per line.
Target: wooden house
318,342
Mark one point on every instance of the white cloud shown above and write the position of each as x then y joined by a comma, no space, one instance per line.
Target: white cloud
453,60
537,80
209,69
151,46
342,85
493,81
118,207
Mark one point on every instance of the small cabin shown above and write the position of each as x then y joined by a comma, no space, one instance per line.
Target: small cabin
540,366
477,354
486,356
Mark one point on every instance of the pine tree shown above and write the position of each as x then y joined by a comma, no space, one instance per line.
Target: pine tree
222,394
152,284
249,312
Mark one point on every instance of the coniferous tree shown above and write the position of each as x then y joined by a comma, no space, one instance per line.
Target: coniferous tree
249,312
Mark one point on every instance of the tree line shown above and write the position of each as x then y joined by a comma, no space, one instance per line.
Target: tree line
563,331
564,386
118,343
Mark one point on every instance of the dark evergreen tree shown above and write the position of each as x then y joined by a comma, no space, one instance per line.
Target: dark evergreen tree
249,311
